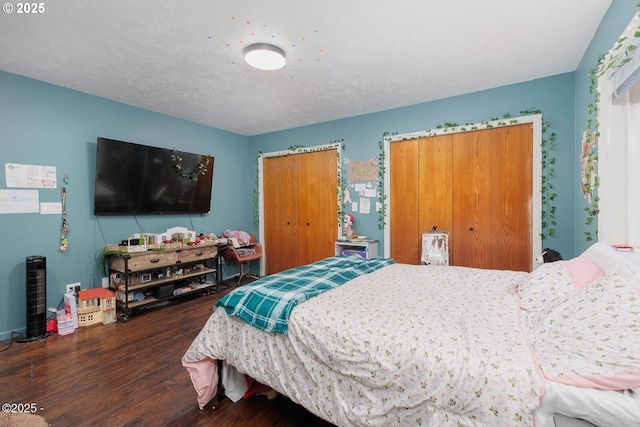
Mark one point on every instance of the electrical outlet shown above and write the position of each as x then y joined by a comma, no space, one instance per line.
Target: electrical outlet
73,288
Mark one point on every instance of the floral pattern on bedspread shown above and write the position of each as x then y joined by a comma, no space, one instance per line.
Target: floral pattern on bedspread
545,286
405,345
590,338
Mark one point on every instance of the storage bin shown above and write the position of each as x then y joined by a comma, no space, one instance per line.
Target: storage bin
164,291
360,251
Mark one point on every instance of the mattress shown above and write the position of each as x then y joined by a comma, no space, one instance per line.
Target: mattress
432,345
359,354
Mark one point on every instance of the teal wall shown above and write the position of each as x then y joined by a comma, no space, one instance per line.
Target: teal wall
44,124
553,96
562,99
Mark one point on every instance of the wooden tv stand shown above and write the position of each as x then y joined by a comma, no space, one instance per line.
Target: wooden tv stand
153,277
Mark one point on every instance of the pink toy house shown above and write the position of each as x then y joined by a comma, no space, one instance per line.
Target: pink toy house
97,305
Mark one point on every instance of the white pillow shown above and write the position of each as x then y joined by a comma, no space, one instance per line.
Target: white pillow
605,257
625,265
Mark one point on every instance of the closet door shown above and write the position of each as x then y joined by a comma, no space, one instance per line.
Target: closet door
280,198
477,185
317,203
470,240
421,193
435,184
300,196
511,198
403,202
492,198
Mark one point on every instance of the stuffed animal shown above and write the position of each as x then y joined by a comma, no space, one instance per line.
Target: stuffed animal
243,236
348,228
549,255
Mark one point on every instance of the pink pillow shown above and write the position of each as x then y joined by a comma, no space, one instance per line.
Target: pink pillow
582,272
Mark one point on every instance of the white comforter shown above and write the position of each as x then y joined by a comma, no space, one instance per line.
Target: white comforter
390,348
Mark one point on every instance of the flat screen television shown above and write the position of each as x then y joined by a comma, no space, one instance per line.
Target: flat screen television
139,179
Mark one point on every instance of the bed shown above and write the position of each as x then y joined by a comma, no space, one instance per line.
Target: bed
366,344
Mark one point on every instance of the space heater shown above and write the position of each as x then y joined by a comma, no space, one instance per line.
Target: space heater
36,299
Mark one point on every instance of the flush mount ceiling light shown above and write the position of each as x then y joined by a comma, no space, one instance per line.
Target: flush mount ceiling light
264,56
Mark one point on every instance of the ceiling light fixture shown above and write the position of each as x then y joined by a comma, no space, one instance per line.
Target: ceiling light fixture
264,56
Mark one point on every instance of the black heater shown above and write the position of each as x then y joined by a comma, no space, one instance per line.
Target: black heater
36,299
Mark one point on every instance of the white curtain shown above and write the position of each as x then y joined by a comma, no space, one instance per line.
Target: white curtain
619,146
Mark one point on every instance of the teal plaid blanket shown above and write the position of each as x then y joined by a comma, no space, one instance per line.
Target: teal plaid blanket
267,303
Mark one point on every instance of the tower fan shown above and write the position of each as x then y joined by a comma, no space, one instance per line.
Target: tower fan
36,299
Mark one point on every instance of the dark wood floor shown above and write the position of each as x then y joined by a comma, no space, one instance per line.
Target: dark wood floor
130,374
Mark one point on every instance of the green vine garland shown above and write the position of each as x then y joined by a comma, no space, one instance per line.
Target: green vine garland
548,161
382,197
194,174
297,149
256,193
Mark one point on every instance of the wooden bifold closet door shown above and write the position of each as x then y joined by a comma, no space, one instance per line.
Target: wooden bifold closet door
280,198
300,208
475,185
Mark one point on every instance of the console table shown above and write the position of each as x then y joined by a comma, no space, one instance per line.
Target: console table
141,279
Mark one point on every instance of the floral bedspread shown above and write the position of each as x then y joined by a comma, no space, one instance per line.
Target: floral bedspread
404,345
585,336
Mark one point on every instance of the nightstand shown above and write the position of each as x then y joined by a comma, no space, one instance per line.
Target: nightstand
365,248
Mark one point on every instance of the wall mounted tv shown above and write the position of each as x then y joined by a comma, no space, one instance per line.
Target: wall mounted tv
138,179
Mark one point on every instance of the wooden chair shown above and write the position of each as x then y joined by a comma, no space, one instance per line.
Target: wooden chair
232,254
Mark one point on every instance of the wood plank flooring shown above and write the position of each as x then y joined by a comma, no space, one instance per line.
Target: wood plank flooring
130,374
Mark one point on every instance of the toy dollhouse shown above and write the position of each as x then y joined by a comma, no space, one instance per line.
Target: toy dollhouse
176,234
97,305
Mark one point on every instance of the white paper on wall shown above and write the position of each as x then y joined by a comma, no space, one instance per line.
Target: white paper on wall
365,205
30,176
53,208
19,201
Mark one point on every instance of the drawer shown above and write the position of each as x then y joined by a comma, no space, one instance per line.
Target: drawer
197,253
144,261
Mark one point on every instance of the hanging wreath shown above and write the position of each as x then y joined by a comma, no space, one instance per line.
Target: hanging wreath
64,241
588,162
194,174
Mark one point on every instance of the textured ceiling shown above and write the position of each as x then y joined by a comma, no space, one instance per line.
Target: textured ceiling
345,58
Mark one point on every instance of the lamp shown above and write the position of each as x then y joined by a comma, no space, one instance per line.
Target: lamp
264,56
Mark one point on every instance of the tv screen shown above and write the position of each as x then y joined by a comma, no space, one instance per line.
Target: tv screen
140,179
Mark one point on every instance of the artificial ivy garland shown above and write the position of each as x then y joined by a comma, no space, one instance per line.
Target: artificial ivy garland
296,149
588,159
548,144
194,174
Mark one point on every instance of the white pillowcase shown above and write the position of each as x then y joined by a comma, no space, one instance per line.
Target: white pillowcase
625,265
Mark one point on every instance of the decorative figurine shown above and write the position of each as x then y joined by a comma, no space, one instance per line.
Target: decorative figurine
348,229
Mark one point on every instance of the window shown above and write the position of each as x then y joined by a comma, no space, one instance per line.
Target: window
619,142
